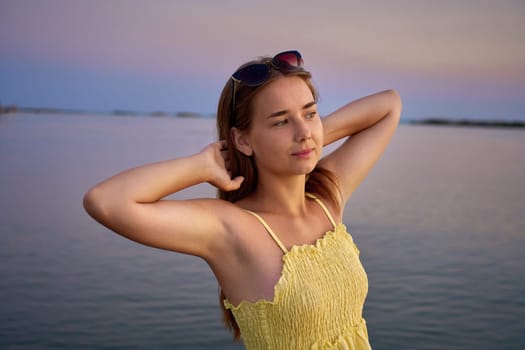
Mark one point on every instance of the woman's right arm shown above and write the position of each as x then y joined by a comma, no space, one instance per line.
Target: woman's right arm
131,203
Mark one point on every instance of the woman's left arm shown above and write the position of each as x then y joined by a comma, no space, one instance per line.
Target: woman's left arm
369,124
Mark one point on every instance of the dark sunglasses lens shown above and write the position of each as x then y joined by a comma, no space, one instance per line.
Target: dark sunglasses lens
289,58
252,75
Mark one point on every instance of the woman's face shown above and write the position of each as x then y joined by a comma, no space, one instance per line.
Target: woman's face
286,134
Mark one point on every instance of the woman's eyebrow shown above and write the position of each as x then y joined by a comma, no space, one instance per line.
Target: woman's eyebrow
309,104
285,111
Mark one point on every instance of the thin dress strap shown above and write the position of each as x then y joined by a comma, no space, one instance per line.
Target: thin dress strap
323,206
272,234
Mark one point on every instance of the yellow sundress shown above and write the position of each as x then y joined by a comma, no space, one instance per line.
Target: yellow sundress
318,300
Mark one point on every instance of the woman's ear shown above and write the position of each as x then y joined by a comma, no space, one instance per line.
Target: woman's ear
241,142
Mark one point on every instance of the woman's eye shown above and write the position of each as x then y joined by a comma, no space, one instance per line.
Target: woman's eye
280,122
311,115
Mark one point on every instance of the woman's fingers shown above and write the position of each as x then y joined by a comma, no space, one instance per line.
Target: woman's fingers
234,184
225,154
229,183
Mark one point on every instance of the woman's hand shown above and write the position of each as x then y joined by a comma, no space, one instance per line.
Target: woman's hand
218,167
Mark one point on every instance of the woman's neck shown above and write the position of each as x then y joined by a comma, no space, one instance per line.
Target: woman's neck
283,196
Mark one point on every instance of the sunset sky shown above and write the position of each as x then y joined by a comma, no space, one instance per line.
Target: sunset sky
457,59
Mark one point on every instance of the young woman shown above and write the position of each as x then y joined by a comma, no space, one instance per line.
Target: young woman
289,272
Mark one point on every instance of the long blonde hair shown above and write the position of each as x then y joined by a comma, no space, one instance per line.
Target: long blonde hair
320,181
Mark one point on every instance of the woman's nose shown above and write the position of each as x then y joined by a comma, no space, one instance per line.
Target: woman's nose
302,131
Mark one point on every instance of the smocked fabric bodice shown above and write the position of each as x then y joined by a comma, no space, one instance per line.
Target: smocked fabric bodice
318,300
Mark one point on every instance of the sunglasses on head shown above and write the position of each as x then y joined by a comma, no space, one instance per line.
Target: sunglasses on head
256,74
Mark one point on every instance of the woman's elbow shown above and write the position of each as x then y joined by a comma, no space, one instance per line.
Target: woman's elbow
93,203
396,105
397,102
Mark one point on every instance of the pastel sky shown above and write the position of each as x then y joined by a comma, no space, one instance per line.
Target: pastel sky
449,58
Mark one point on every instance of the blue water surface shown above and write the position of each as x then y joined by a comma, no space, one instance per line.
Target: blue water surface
446,263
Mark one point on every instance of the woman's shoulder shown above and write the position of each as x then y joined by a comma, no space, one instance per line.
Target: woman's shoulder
325,185
236,221
229,213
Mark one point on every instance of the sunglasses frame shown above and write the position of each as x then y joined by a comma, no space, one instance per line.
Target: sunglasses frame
276,62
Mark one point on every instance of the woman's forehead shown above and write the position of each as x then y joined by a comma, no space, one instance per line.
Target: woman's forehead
283,93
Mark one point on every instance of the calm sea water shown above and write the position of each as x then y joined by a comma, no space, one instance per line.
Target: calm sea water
440,223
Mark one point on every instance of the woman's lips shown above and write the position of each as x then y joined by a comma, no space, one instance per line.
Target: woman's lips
304,153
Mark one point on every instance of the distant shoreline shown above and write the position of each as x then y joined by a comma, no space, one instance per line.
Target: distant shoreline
470,122
116,112
438,121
